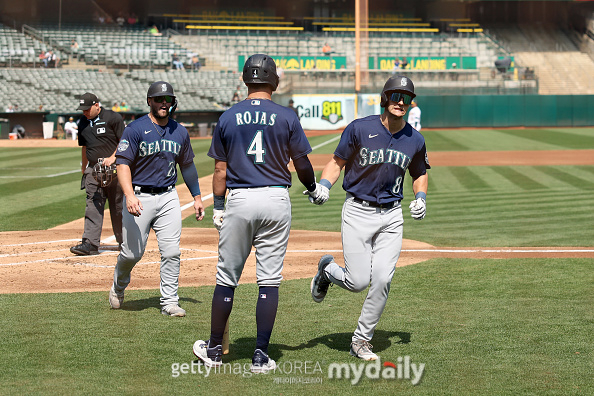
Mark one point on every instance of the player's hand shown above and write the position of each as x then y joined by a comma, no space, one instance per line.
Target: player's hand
217,218
109,160
319,196
418,209
133,205
199,208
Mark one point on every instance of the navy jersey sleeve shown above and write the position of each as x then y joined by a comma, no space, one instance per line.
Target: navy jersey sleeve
298,144
128,146
347,144
420,163
186,154
217,147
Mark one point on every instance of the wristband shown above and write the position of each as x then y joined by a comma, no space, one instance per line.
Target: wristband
421,194
219,202
326,183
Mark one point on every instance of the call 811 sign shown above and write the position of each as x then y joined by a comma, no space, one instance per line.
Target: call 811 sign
319,112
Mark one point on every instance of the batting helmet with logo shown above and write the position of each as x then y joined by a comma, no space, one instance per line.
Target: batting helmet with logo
162,88
104,175
397,84
260,69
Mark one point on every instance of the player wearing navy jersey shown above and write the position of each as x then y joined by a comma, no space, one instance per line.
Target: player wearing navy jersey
147,156
252,144
375,151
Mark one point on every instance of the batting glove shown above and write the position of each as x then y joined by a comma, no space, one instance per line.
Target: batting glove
319,196
418,209
217,218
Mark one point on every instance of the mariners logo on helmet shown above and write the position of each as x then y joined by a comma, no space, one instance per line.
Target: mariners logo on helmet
163,87
403,81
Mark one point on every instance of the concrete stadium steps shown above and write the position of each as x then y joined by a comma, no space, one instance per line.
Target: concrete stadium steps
560,73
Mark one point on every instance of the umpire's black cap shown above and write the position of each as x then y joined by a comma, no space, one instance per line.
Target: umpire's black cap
160,88
87,101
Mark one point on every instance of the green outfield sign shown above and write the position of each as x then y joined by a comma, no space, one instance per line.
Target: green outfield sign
304,62
425,63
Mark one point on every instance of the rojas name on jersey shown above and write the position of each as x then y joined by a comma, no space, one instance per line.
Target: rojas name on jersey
150,148
380,156
256,117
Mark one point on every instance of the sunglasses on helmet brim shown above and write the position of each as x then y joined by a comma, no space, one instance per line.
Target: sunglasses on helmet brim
397,96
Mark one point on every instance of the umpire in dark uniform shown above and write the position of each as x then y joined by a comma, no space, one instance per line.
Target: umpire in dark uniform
99,134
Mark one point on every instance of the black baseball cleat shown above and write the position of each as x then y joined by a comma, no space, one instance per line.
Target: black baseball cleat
84,249
261,363
320,282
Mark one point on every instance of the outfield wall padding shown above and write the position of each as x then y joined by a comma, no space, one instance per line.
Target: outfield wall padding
450,111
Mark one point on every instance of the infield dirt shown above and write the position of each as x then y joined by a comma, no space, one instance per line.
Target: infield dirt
40,261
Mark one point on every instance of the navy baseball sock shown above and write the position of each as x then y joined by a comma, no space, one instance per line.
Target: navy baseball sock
265,315
222,303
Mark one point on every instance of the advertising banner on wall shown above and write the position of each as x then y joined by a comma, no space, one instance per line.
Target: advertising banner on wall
323,112
426,63
303,62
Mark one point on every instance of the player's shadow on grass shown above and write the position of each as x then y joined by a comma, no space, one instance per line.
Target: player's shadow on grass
243,348
153,303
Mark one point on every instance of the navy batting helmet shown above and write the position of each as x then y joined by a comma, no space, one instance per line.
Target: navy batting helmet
162,88
260,69
397,84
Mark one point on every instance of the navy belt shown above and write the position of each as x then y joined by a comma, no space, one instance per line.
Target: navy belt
388,205
152,190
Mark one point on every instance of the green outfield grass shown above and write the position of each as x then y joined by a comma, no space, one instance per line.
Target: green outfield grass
479,326
521,326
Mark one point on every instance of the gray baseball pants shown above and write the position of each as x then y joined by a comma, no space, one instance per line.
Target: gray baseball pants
162,213
259,217
371,243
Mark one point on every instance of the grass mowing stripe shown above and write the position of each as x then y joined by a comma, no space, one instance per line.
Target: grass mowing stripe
469,179
30,185
566,177
439,141
559,137
584,168
32,215
519,179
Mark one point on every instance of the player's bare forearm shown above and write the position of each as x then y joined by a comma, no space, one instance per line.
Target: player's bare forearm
332,169
421,184
133,204
84,161
219,178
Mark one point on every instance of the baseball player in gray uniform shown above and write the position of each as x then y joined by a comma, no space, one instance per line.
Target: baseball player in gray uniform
375,151
252,144
147,156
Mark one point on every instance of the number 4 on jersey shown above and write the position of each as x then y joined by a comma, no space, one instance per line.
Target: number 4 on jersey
257,148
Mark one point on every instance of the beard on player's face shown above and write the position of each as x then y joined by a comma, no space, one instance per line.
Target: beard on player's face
160,110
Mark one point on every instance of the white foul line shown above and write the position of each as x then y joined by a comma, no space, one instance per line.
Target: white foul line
326,142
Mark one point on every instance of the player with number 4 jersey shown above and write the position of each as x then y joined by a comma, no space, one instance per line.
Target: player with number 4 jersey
252,145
